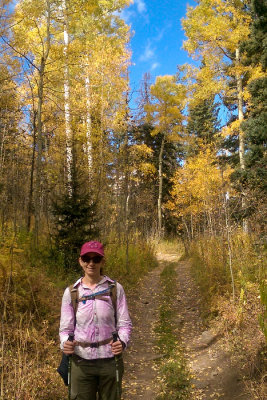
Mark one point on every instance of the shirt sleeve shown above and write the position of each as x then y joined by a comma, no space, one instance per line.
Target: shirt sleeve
67,318
124,324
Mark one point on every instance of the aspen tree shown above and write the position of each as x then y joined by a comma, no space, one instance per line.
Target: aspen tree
215,30
56,87
32,42
98,56
89,146
165,113
108,85
69,135
197,189
7,86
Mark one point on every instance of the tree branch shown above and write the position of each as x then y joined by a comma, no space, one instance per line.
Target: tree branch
18,52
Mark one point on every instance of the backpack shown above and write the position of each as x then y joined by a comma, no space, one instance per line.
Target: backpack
75,301
64,364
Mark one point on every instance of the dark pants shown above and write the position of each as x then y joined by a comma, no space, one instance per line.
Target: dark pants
89,377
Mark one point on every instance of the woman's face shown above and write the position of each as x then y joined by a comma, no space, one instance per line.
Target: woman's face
91,263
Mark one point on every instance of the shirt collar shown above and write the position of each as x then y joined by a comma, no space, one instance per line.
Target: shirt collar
78,282
103,280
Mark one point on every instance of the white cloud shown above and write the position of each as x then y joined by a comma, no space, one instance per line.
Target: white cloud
127,15
141,6
148,53
154,66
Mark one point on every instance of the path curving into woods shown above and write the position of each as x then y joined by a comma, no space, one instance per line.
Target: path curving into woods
214,374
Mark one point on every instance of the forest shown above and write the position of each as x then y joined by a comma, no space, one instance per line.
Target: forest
186,164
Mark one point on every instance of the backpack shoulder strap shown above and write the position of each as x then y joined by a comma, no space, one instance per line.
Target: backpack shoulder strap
113,295
74,298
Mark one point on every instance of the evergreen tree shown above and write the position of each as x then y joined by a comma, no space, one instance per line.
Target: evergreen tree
202,124
173,152
256,123
75,217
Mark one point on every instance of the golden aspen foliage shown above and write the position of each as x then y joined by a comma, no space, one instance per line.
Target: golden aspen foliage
214,30
141,156
199,185
167,106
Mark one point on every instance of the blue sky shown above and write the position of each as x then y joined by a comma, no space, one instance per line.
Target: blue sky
157,37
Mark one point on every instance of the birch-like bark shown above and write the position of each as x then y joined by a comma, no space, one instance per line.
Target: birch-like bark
240,111
68,131
89,147
30,204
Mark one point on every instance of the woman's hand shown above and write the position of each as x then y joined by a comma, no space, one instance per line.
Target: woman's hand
116,347
68,347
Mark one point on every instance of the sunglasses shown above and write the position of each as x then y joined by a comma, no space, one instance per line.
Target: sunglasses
95,259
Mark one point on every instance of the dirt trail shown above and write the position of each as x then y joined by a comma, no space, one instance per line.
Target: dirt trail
215,377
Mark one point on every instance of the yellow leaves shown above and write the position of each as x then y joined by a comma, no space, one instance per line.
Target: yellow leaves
216,24
167,106
198,185
167,91
231,129
140,155
215,29
109,4
30,27
254,73
141,150
206,84
147,169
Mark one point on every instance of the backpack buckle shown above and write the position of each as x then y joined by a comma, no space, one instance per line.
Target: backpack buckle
94,345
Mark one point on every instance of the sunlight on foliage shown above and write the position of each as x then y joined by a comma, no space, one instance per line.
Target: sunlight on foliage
199,185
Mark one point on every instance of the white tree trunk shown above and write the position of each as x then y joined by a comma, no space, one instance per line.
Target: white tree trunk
89,147
69,137
240,111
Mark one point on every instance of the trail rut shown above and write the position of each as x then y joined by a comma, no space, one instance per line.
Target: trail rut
214,374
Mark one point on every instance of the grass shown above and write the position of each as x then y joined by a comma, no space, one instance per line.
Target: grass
241,318
169,246
175,380
33,282
128,270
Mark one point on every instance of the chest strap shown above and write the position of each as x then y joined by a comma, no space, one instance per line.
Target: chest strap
97,294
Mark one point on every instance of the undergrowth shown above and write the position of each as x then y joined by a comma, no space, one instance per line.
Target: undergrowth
32,282
129,269
175,380
237,308
169,246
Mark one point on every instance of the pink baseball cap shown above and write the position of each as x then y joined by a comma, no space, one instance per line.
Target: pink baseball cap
92,247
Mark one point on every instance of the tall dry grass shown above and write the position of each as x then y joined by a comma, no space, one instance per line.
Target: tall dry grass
31,290
235,304
129,267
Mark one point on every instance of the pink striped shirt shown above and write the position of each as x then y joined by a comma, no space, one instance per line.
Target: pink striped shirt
95,320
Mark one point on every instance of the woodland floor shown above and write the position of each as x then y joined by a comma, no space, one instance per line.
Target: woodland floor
215,376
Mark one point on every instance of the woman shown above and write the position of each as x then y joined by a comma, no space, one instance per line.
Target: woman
93,349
